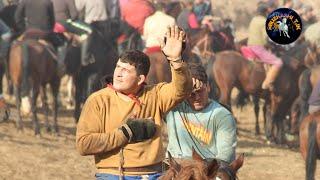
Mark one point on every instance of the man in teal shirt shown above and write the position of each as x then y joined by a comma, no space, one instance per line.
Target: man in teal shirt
202,124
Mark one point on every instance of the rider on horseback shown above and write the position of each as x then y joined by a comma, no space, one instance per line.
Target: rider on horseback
314,99
187,18
257,41
37,16
121,124
94,11
6,35
155,27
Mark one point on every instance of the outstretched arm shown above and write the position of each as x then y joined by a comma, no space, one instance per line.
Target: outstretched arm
181,85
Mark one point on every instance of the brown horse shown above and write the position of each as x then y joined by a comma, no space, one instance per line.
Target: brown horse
231,69
310,142
199,169
31,68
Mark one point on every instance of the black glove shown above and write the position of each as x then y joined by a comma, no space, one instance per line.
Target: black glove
137,130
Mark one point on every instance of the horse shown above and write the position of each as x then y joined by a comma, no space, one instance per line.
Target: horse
7,15
105,54
205,43
198,168
307,82
32,66
309,136
230,69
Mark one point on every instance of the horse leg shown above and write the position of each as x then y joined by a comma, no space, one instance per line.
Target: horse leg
280,131
55,84
35,93
264,110
70,92
294,117
17,93
45,106
268,123
10,85
225,96
256,112
78,98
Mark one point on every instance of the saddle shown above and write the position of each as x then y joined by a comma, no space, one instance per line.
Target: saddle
42,38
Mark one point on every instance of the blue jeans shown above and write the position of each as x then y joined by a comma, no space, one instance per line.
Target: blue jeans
104,176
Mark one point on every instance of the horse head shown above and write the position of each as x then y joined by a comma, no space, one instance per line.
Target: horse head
200,169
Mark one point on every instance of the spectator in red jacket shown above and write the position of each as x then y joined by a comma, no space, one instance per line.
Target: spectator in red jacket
134,12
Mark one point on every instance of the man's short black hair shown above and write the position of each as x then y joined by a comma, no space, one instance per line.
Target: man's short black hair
198,72
138,59
262,8
159,6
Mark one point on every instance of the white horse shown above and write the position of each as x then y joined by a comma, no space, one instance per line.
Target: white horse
283,27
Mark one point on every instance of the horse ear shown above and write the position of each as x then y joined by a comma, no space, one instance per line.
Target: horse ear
237,164
173,163
212,168
196,156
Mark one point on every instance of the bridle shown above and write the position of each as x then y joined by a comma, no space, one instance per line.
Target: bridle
206,51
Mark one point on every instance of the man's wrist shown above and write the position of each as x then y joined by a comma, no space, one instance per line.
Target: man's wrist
175,59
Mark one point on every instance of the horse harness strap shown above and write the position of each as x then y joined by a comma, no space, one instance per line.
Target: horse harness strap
206,51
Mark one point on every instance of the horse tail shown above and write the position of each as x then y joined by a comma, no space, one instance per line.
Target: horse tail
242,98
305,89
25,70
312,152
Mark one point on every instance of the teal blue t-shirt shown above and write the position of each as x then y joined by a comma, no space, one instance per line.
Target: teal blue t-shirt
211,132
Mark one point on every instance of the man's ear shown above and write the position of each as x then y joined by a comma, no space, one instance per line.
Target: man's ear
142,79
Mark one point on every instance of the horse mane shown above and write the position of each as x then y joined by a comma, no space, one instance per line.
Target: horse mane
189,170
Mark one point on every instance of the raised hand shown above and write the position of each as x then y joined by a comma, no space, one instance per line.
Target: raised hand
172,48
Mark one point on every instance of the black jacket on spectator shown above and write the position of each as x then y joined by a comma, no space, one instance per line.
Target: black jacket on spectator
36,14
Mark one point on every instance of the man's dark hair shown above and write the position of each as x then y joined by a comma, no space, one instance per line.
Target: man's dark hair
198,72
138,59
262,8
159,6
